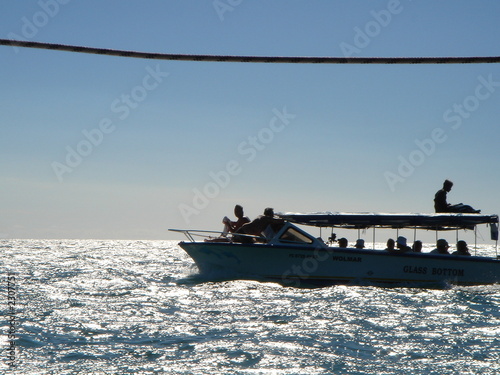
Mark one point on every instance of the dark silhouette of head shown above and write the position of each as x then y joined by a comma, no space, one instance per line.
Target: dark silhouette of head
391,244
269,212
447,185
401,242
238,211
360,244
442,245
462,246
417,246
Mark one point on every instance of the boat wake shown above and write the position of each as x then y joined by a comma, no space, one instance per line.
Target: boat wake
211,274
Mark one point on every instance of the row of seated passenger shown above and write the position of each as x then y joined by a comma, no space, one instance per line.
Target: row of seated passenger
400,246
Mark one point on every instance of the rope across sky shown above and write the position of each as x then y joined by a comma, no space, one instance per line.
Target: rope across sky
254,59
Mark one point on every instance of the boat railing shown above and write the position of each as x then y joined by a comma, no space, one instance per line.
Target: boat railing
215,236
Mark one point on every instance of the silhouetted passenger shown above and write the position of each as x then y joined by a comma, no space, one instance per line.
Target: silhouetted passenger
264,223
343,242
402,246
391,244
441,247
233,226
441,204
360,244
417,246
462,249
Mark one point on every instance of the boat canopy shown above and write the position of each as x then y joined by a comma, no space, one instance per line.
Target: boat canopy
440,221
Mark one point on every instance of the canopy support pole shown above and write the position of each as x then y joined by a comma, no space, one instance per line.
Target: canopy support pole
475,240
374,237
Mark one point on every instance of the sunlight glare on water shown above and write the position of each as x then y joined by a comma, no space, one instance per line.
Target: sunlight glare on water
105,307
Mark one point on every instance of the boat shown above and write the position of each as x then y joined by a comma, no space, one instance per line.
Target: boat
293,257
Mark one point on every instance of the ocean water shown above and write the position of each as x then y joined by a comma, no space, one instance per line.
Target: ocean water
139,307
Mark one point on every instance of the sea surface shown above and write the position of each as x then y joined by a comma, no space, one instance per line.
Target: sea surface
139,307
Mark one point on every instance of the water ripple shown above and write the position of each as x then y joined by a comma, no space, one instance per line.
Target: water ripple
102,307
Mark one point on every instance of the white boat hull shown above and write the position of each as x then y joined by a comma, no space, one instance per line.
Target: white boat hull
294,265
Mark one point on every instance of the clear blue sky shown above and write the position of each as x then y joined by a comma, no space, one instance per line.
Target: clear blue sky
109,147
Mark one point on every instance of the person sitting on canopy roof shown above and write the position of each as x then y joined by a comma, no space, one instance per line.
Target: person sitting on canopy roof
441,204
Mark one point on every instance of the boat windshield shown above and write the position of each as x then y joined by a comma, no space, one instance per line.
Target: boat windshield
293,235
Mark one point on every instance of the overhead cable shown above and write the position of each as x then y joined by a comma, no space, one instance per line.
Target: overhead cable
254,59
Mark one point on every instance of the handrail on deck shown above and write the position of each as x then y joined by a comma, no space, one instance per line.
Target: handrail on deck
191,233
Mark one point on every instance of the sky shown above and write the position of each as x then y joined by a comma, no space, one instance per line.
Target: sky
109,147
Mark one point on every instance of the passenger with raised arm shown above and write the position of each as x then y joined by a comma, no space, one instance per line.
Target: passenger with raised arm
441,247
233,226
462,249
